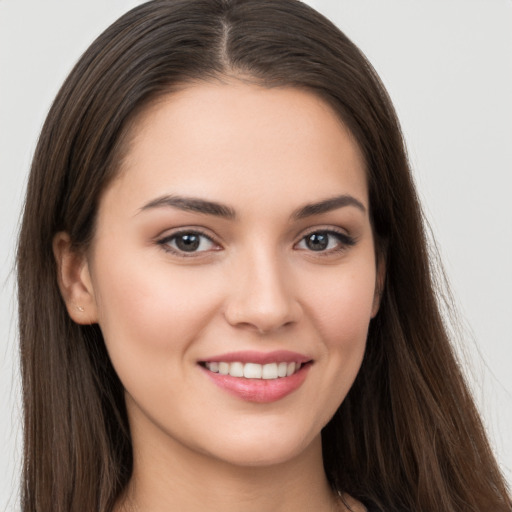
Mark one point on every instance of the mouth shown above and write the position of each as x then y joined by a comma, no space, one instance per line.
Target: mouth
269,371
257,377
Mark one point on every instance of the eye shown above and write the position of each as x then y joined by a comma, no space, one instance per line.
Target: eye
325,241
188,242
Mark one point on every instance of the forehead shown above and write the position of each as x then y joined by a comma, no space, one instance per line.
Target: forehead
236,142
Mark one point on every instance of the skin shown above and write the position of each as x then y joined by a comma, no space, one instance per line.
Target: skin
255,284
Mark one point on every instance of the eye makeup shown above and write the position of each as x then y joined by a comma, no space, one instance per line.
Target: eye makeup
194,242
325,241
188,243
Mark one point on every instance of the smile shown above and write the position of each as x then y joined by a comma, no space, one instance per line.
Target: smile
267,371
256,376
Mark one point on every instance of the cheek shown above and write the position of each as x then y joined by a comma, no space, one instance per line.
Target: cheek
151,307
342,307
149,322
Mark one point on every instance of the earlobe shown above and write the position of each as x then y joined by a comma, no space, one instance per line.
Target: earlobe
74,279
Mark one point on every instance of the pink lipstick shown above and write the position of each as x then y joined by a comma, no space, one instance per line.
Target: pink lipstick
258,376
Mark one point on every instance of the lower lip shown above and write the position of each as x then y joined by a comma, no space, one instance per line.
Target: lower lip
259,390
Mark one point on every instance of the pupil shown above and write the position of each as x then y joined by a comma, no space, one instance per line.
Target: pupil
187,243
317,241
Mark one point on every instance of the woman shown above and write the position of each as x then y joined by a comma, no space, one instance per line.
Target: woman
225,294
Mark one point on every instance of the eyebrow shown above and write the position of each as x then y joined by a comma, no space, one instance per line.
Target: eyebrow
328,205
203,206
191,204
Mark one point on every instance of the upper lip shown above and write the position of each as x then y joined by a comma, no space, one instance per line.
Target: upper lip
250,356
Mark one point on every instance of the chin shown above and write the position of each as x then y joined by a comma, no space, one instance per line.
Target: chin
266,450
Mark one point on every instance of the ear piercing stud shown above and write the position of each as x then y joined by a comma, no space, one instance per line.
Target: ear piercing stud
79,308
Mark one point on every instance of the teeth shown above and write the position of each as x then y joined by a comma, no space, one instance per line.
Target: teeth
281,369
223,368
253,370
269,371
236,370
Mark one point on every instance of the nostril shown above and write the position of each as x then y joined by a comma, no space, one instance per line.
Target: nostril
262,319
262,298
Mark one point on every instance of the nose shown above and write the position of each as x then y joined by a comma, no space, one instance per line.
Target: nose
262,296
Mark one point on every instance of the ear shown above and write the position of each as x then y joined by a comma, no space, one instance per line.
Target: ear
74,280
380,280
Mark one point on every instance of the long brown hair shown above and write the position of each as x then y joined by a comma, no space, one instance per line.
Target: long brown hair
408,436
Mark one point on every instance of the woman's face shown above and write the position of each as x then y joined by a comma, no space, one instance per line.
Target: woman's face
235,240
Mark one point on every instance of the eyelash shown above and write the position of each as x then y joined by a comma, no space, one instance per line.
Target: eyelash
344,242
164,242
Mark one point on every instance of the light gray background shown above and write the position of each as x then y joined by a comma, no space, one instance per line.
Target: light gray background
448,67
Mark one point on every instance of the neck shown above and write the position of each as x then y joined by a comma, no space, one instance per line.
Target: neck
171,477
